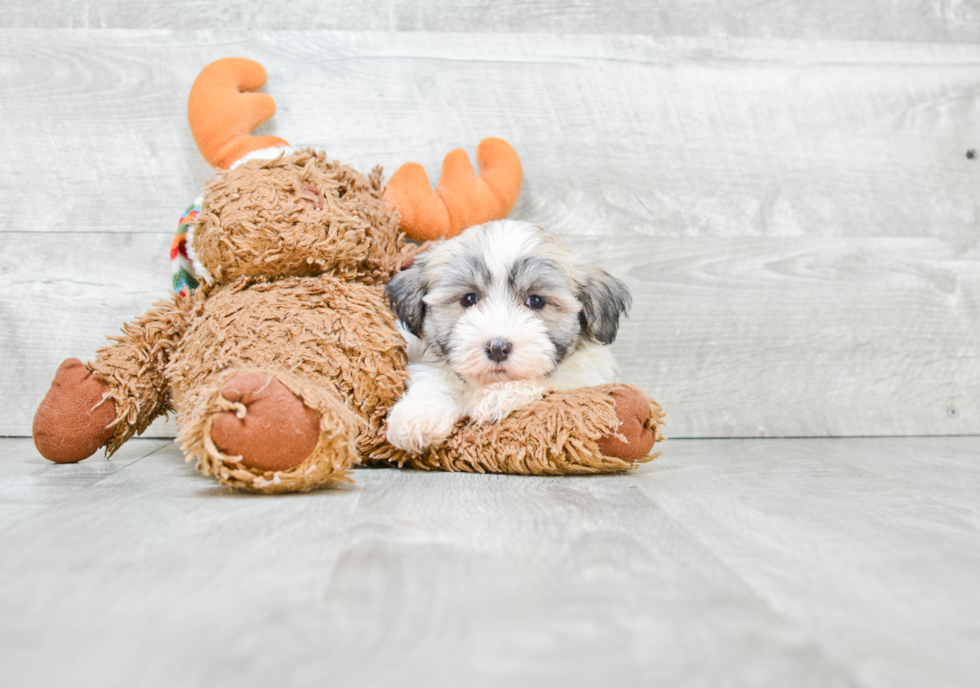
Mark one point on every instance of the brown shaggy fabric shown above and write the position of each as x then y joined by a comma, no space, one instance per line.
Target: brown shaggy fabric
556,435
134,366
299,214
299,248
328,463
327,340
335,334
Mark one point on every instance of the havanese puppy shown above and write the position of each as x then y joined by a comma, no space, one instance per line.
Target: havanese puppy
496,318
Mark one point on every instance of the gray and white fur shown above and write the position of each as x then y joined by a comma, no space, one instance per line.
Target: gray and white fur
496,318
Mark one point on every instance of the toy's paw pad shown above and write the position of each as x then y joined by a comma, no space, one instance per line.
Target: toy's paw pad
73,420
273,429
633,411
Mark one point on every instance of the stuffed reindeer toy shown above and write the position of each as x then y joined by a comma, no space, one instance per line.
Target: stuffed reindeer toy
278,350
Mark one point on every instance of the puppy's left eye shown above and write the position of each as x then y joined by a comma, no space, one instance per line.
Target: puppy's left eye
534,302
469,300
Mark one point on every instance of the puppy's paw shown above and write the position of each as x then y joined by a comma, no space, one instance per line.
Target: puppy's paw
414,427
495,402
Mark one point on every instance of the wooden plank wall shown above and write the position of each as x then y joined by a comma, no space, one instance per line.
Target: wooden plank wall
786,189
938,21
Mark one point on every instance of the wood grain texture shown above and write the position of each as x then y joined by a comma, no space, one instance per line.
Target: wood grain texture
740,337
745,563
887,20
63,294
31,486
619,136
797,219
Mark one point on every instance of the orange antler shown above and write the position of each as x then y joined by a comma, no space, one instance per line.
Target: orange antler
462,199
222,111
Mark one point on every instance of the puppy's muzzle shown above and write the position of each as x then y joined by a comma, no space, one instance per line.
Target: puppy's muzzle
498,350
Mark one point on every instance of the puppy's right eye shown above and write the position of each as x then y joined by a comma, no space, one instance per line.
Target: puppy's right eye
469,300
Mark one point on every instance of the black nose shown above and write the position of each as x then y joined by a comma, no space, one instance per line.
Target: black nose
498,351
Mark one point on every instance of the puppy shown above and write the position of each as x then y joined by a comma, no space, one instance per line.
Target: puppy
494,319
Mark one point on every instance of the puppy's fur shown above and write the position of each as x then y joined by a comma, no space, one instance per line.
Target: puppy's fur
495,318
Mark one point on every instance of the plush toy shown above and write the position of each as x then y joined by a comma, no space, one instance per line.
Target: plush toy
278,352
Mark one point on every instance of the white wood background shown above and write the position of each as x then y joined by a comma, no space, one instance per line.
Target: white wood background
784,186
941,21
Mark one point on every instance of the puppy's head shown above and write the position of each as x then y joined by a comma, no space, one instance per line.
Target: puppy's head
505,301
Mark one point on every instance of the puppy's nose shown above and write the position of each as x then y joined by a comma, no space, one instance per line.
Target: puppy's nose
498,350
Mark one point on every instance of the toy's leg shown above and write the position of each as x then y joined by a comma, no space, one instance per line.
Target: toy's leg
115,396
601,429
76,416
270,432
640,420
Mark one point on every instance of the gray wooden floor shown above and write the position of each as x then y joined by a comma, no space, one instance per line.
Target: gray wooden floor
817,562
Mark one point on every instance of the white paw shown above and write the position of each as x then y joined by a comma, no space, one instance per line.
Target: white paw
495,402
414,427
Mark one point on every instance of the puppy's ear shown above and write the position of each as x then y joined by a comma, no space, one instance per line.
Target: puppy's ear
405,292
604,299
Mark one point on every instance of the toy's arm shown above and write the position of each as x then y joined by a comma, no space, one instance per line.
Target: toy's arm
134,366
118,394
600,429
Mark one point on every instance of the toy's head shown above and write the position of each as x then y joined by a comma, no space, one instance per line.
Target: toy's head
273,211
298,214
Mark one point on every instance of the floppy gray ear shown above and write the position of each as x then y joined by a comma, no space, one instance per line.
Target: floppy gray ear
604,299
405,292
